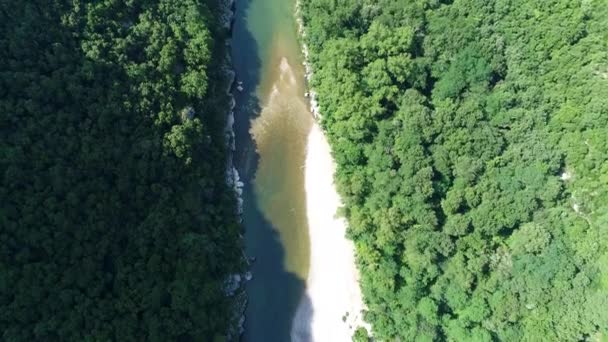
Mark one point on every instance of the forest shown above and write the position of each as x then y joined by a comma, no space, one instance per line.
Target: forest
116,223
470,141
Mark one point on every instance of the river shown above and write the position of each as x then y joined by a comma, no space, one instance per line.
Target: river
272,122
305,284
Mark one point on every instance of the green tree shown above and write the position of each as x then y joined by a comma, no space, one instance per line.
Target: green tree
468,137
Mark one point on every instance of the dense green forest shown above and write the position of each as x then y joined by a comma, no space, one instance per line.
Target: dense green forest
470,138
115,220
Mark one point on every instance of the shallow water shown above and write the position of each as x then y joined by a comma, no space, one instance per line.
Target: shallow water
272,122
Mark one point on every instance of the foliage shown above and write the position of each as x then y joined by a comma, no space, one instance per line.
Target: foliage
470,143
361,335
115,221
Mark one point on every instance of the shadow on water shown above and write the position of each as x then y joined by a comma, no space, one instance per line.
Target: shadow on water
274,293
301,329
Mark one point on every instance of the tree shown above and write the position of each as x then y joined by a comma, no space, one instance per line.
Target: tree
115,219
468,137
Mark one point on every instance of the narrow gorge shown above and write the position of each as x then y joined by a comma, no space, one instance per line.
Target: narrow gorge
304,283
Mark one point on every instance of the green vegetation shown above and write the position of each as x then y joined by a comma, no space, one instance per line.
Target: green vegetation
470,138
115,220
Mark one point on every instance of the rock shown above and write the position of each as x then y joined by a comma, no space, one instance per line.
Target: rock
231,284
242,325
239,206
226,13
188,113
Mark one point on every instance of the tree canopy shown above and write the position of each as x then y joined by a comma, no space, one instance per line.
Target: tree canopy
470,145
115,220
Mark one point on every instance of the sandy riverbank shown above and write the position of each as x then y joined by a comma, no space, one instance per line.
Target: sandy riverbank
333,291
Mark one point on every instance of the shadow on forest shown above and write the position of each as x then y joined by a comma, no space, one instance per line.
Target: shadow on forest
274,293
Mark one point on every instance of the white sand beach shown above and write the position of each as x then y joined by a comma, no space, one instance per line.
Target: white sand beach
332,292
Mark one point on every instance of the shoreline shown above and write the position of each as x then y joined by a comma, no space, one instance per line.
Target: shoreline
331,309
315,109
332,306
333,301
234,284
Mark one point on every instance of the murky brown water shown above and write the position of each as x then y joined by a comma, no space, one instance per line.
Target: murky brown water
268,62
280,134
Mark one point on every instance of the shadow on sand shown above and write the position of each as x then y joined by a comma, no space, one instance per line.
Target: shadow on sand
274,293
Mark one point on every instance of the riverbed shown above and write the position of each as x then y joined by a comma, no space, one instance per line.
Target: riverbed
289,298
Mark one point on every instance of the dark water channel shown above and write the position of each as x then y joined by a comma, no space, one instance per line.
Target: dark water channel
272,122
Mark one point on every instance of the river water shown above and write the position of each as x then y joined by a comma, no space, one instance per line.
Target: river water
272,122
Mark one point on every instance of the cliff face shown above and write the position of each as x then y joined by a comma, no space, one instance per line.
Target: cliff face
234,284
